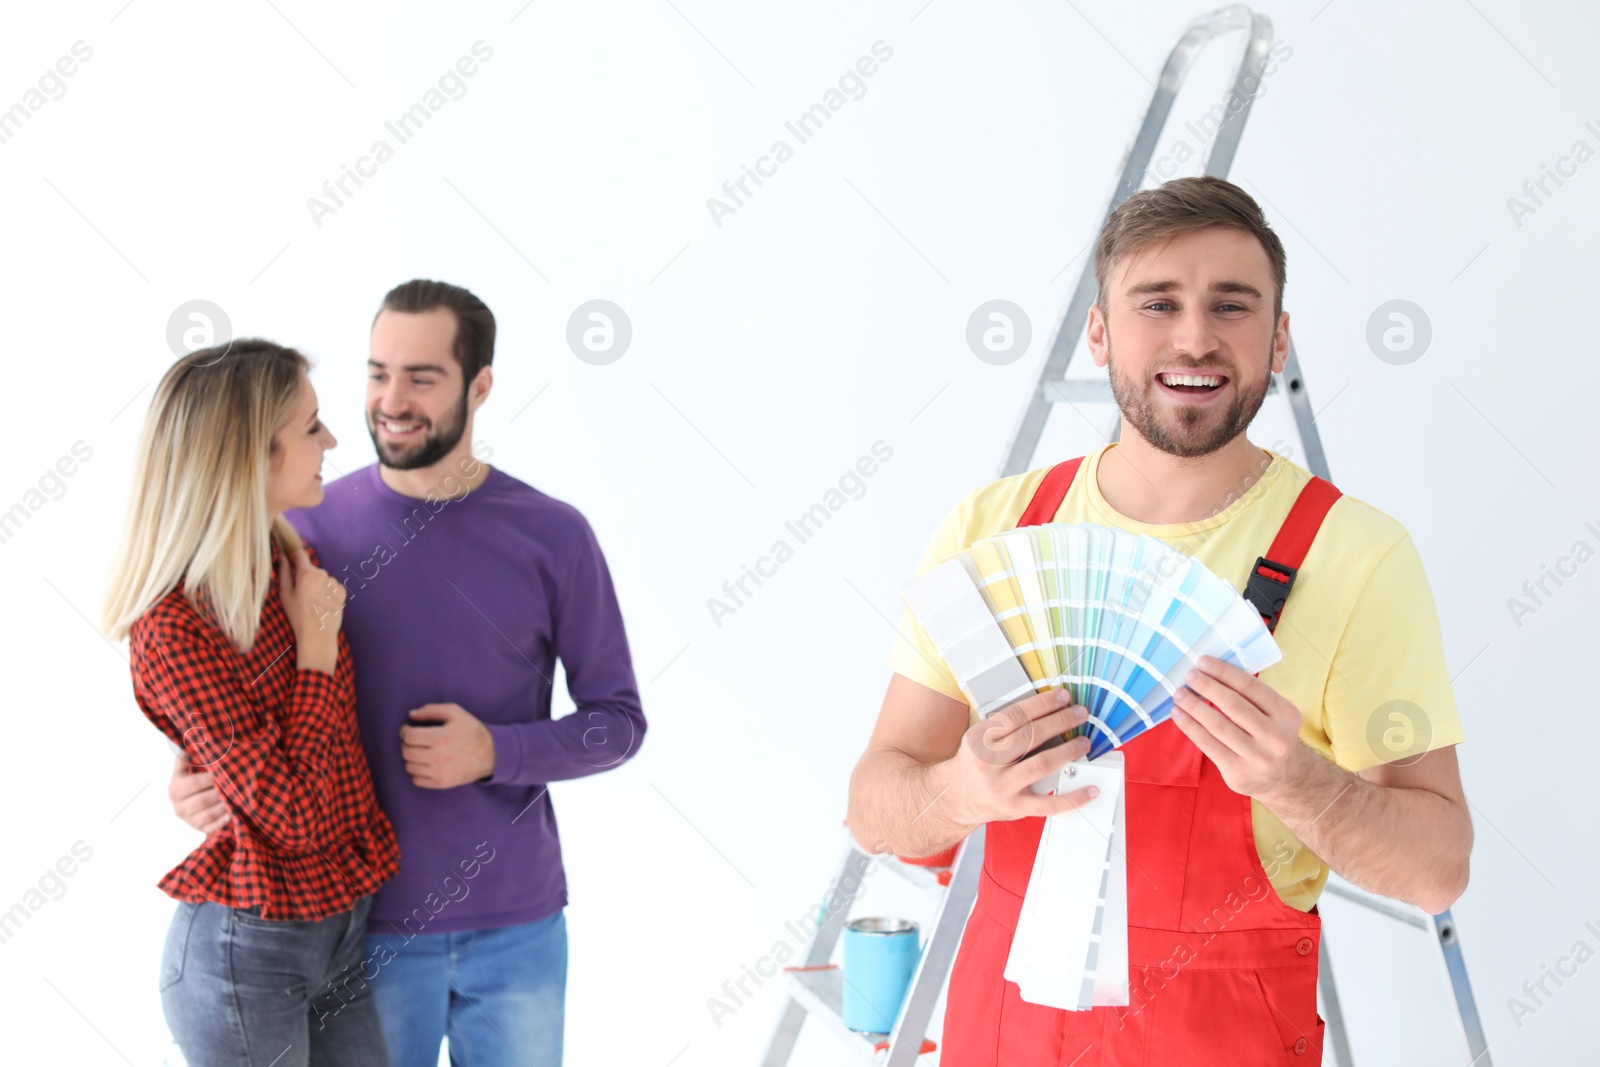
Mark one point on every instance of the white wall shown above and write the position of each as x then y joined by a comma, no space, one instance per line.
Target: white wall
769,353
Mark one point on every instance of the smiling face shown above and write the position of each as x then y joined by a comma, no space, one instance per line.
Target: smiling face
416,401
1195,338
294,466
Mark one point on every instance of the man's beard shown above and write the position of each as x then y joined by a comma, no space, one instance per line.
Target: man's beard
1188,431
434,446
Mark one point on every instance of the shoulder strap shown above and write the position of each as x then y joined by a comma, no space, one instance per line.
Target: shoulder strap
1051,492
1273,574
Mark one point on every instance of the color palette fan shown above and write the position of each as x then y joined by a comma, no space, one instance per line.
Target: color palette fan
1117,617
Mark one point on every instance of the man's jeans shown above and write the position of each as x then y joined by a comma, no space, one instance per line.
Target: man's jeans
241,990
498,994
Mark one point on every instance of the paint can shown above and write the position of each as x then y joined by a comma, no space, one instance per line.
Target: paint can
880,957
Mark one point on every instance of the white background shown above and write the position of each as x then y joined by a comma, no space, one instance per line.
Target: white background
769,353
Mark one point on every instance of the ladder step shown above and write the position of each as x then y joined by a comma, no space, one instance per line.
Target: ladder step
816,985
929,879
821,991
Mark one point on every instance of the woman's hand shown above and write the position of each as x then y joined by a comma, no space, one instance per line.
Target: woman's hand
194,797
314,602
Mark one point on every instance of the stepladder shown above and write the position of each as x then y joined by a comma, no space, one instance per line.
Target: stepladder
816,983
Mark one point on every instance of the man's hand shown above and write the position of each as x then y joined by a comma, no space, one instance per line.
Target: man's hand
194,797
987,780
454,748
930,776
1399,829
1247,728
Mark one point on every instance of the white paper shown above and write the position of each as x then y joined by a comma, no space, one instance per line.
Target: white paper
1079,876
1111,973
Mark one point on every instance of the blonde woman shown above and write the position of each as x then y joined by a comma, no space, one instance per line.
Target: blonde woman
237,654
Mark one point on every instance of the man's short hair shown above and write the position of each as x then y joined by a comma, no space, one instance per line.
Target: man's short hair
474,342
1181,206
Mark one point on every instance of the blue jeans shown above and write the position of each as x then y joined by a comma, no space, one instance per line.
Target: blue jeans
238,990
499,995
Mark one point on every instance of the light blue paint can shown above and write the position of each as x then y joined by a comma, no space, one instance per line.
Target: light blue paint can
880,956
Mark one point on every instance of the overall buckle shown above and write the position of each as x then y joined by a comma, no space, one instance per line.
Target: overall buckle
1268,588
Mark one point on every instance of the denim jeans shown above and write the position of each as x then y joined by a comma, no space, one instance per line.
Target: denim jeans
238,990
499,995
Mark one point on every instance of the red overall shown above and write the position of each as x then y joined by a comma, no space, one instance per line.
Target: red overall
1221,971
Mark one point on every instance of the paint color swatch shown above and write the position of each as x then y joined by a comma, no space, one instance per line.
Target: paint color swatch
1116,617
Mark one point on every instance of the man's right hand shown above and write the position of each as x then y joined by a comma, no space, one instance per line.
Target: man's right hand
930,775
987,780
194,797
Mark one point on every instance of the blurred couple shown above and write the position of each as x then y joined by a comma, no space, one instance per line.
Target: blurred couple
358,680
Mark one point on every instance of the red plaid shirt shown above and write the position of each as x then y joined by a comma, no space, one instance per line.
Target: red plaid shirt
306,839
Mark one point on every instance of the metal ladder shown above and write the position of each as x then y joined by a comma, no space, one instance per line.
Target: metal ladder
816,985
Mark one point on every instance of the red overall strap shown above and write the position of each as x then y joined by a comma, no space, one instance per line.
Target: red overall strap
1273,574
1051,492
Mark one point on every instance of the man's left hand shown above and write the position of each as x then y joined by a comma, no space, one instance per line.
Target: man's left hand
455,749
1247,728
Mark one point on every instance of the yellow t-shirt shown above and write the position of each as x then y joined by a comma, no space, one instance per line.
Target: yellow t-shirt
1363,659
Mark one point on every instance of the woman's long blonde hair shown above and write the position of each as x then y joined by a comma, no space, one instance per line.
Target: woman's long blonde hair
198,514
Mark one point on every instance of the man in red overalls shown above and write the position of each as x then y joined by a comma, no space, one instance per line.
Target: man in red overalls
1221,969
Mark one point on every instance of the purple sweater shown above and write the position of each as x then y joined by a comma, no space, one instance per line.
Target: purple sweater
471,601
